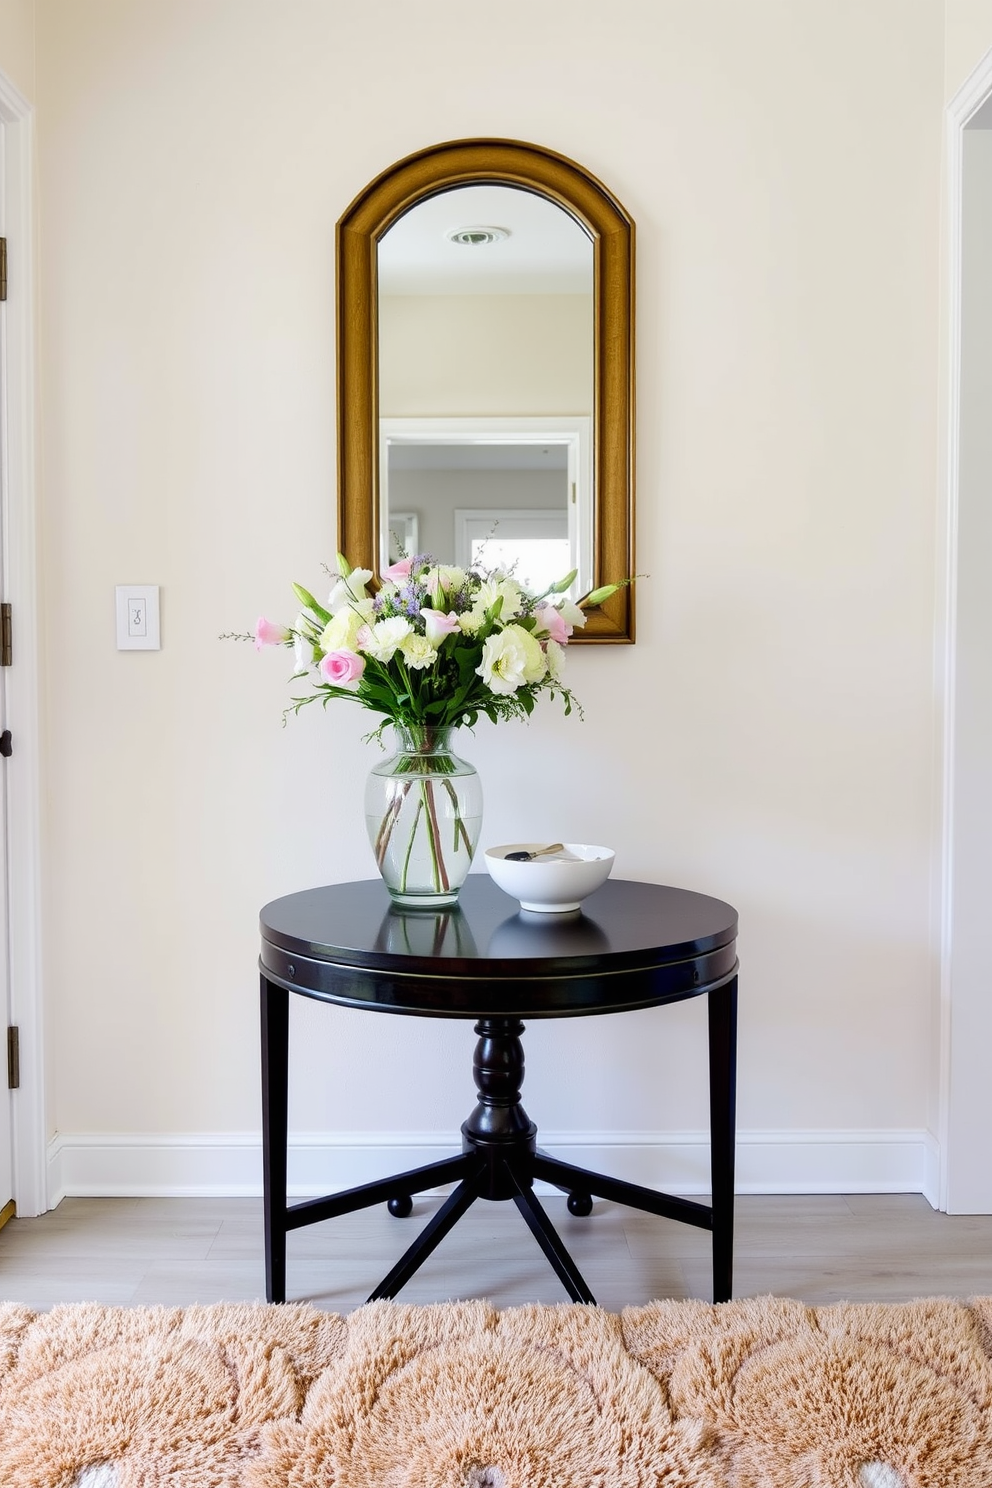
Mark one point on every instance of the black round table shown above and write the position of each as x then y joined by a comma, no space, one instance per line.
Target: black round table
632,945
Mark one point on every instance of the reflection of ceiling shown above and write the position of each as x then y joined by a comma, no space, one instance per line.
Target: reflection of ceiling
478,456
546,252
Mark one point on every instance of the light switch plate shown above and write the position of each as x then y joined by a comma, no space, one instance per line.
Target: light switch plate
137,617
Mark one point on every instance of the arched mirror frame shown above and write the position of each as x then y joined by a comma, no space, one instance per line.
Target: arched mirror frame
371,214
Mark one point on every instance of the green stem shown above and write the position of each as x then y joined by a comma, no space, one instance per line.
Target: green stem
409,847
460,827
434,837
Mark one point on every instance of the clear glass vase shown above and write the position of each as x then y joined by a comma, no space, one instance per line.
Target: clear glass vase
423,810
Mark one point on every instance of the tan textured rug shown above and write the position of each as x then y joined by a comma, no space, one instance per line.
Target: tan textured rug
757,1394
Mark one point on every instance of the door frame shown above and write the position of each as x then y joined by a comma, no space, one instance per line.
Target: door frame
962,1183
20,584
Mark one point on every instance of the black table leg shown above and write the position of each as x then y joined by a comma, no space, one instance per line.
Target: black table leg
381,1191
618,1191
430,1237
722,1008
549,1240
275,1098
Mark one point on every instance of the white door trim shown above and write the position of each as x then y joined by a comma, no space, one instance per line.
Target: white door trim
21,590
961,110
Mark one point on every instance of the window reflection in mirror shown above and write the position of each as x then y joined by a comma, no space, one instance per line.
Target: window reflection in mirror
500,491
486,377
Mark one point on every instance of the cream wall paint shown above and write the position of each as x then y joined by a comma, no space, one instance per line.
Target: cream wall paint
492,355
17,44
772,729
968,36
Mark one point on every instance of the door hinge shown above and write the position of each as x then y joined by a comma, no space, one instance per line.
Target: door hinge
13,1059
3,268
6,636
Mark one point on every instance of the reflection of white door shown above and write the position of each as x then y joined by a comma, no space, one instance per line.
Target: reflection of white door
6,1127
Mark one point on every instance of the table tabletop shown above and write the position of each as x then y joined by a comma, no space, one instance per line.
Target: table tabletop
631,945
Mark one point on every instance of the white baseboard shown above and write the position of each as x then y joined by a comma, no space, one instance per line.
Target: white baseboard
227,1164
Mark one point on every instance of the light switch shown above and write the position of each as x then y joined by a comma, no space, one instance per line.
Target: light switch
137,617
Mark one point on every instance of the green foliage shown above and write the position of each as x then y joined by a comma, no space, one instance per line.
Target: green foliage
436,646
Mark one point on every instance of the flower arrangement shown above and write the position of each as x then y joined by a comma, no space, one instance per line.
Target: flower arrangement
436,646
432,650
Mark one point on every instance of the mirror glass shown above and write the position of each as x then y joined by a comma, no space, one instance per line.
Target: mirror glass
486,384
485,370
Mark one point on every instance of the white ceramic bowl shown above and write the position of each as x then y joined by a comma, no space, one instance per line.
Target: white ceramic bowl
553,884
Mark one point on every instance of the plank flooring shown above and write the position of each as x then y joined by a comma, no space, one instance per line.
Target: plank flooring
820,1249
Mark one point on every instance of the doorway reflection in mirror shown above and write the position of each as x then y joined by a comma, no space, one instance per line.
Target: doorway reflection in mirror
486,375
503,492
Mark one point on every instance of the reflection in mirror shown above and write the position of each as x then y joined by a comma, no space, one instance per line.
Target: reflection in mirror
486,376
506,492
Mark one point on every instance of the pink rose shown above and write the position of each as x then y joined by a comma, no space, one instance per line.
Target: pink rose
551,622
269,634
397,571
438,624
341,668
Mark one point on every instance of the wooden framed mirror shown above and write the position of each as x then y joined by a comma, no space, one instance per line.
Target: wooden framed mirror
560,297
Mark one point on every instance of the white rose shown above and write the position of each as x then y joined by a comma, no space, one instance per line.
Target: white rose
341,631
442,581
511,658
452,578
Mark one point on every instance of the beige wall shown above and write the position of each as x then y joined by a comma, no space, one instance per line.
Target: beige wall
768,739
968,37
17,44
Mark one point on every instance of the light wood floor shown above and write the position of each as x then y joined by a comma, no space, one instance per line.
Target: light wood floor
177,1251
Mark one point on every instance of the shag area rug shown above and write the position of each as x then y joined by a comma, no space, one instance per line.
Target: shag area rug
764,1393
